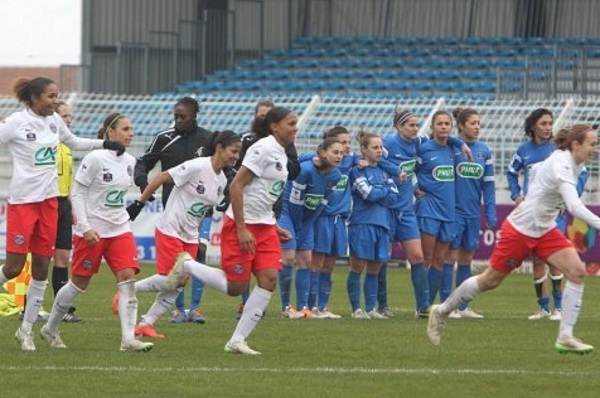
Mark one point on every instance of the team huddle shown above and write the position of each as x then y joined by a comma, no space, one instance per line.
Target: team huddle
284,211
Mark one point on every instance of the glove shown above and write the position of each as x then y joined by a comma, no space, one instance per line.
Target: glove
114,146
134,209
151,198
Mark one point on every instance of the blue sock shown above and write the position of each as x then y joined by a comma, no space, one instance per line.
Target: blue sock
245,296
557,293
370,291
418,276
324,289
313,291
180,301
302,287
447,279
544,303
285,285
197,291
463,272
434,277
353,287
382,294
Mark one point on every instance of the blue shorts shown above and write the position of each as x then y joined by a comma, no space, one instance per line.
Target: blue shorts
561,223
405,226
467,233
331,236
369,242
299,241
442,230
205,229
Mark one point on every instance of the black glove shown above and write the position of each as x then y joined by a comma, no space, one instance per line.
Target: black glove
114,146
134,209
151,198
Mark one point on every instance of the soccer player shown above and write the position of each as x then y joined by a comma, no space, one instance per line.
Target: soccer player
103,231
32,137
531,229
303,200
199,185
474,182
373,193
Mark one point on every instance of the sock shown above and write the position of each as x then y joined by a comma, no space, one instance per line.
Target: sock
35,298
462,295
434,277
285,285
463,272
62,303
180,301
382,293
353,288
446,283
253,312
245,296
154,283
313,290
302,287
128,307
197,292
557,290
60,277
370,291
544,303
324,289
571,306
418,277
163,302
213,277
3,278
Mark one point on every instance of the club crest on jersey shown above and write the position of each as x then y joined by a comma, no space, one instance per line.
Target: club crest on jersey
107,177
19,240
200,188
53,128
30,136
278,166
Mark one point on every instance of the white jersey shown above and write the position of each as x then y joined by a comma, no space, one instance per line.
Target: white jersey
536,215
33,143
197,189
266,159
106,178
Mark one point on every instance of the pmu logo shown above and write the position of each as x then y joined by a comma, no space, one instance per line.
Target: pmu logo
469,170
198,210
115,198
443,173
44,156
277,188
408,167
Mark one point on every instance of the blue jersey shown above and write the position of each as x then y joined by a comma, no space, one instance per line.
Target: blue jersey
373,192
528,154
474,179
306,197
435,174
400,155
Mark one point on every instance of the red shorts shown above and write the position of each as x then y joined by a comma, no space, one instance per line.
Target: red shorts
120,252
167,249
514,247
237,264
31,227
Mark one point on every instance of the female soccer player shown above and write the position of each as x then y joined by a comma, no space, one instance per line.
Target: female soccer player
199,185
531,229
250,238
103,231
32,137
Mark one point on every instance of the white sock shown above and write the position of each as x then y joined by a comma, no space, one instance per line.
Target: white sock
571,304
154,283
253,311
62,302
164,301
128,307
35,299
213,277
463,294
3,277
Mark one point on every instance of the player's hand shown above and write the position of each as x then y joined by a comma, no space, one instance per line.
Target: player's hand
284,234
246,240
362,164
467,152
419,194
519,200
151,198
91,237
403,177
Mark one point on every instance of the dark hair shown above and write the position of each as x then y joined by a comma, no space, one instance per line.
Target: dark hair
25,88
189,102
533,118
324,146
59,104
275,114
109,122
223,138
335,132
461,115
565,136
363,137
401,116
263,102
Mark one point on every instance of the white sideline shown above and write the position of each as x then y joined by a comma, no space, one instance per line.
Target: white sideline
321,370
